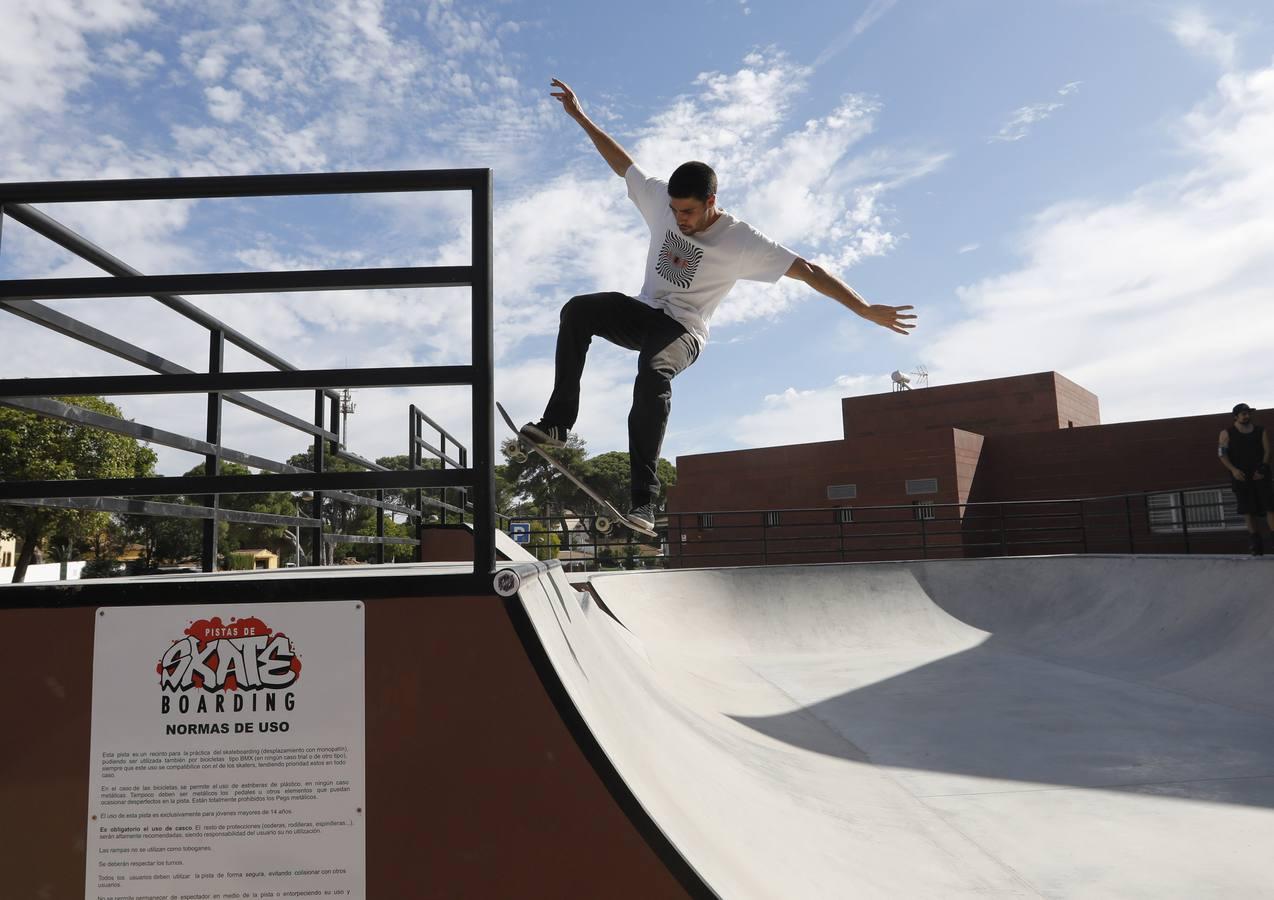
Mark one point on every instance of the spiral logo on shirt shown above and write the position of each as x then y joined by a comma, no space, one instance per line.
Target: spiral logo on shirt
678,260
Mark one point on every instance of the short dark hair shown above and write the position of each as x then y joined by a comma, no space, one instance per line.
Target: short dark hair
693,179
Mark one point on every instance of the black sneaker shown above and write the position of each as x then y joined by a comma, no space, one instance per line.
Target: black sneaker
545,435
643,516
1258,545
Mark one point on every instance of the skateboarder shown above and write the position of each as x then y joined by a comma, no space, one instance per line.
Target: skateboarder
1245,451
697,252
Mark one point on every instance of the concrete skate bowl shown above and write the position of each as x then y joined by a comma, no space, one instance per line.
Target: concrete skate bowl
1040,727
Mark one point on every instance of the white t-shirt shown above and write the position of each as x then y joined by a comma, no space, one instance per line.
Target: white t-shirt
687,276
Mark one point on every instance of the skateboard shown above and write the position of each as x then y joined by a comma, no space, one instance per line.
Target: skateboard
604,523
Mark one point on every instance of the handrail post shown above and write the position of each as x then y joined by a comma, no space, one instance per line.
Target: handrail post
1083,529
1004,537
924,533
212,461
380,527
1128,513
442,465
765,547
464,492
1185,519
317,556
483,390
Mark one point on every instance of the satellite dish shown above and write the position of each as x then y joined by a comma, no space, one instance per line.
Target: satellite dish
901,381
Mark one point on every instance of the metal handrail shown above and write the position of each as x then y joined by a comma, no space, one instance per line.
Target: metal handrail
745,537
19,297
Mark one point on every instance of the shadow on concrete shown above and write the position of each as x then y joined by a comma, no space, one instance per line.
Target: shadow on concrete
994,713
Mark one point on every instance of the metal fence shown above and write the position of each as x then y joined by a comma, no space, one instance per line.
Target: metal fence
25,298
1189,520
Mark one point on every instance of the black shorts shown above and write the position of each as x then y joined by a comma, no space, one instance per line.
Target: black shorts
1254,498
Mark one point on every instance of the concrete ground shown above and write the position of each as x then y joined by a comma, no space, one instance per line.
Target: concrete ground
1032,727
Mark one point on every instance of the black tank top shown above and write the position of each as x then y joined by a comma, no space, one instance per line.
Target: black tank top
1246,450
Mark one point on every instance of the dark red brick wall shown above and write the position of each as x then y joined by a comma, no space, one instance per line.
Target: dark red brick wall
1026,403
1076,407
968,455
995,441
1111,459
797,476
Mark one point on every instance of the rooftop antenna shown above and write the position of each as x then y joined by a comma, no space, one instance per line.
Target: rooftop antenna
922,376
901,381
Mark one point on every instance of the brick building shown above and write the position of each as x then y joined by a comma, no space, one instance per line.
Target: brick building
958,470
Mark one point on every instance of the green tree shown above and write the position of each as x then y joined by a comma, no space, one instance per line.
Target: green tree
534,488
544,543
610,476
537,488
169,539
339,516
38,448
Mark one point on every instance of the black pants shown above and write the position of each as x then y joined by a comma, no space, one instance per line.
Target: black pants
665,349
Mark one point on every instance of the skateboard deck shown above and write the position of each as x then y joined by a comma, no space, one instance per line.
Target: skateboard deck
615,515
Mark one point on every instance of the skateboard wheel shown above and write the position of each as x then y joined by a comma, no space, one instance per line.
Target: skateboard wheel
604,525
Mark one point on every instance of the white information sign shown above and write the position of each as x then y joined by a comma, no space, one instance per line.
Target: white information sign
227,758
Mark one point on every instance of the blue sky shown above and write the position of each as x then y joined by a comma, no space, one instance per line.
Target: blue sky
1062,184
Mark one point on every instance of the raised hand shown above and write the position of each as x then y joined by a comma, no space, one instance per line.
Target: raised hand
567,98
890,317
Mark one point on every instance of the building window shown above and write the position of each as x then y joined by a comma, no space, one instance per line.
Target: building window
921,486
1209,510
844,516
771,519
924,510
8,560
705,520
842,492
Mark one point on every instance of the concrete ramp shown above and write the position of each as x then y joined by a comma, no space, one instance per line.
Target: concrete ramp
1051,727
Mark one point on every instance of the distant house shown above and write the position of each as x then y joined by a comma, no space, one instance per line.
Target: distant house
8,551
578,532
253,559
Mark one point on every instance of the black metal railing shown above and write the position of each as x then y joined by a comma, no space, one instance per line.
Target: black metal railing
579,545
1188,520
25,298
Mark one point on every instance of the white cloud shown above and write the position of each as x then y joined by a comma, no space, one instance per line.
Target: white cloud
279,95
1196,32
579,232
969,248
224,105
48,50
874,12
803,416
1024,118
1157,301
130,62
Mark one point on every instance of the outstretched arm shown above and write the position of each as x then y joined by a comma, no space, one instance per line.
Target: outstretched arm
827,284
615,157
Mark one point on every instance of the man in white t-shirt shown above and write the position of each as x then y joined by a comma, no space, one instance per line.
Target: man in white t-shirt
697,252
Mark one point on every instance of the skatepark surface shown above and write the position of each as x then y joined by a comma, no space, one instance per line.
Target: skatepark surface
1027,727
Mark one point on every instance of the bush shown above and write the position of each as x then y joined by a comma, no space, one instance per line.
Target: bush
103,567
238,562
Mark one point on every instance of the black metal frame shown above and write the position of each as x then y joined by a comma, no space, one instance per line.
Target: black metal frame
22,297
